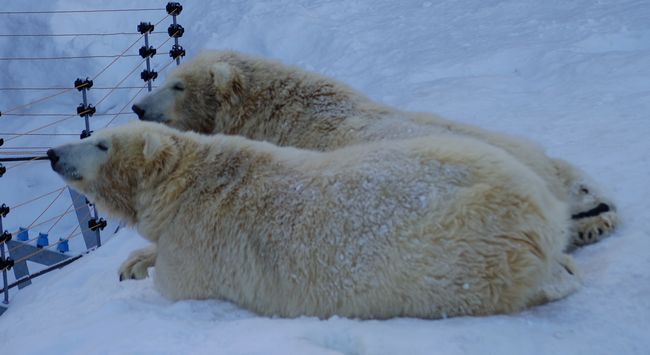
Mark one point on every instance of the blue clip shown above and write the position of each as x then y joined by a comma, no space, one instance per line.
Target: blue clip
42,240
63,245
23,234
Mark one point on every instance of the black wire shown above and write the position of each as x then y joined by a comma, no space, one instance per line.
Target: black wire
64,88
44,271
73,34
38,134
76,11
70,57
63,114
23,159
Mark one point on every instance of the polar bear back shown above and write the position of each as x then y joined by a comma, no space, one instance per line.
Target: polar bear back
425,227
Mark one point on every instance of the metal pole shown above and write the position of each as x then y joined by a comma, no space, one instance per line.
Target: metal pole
4,271
86,111
148,60
85,102
175,30
146,52
178,59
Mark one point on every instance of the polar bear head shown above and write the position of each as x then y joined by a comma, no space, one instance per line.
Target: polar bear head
202,95
114,166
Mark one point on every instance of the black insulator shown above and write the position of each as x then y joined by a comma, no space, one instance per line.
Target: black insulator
175,30
147,75
177,51
83,110
81,84
4,210
85,134
145,27
7,263
93,224
147,52
3,170
5,237
174,8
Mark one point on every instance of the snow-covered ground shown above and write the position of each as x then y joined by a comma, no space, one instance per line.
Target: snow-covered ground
571,75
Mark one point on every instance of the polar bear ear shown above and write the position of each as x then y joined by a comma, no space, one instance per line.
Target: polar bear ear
227,79
153,143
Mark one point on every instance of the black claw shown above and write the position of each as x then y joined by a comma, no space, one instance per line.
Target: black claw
600,231
132,276
601,208
567,270
581,236
121,277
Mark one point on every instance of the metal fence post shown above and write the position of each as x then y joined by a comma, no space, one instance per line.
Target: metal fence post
176,31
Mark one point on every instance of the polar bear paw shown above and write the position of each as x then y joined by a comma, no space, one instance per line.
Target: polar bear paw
593,225
137,265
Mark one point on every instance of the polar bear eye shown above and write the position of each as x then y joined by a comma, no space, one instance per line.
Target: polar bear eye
178,87
102,146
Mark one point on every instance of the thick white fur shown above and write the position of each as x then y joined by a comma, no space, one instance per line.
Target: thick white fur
232,93
426,227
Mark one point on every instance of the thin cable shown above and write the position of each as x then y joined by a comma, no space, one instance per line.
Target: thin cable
94,78
41,250
77,11
68,57
120,82
70,236
36,134
63,114
39,128
59,219
36,198
35,114
138,93
4,148
75,34
126,105
47,221
72,116
46,209
129,47
58,265
97,104
36,101
21,154
65,88
26,162
38,224
41,223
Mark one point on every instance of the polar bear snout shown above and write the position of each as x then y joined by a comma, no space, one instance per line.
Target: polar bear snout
155,106
51,154
79,161
147,111
63,167
138,111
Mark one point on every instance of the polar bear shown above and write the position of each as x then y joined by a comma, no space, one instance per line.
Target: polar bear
232,93
426,227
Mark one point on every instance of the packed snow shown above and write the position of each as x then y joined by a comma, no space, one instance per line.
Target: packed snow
571,75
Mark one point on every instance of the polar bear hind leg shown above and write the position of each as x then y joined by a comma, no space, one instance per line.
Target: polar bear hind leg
593,216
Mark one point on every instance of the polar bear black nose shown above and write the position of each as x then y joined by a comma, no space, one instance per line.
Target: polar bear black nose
51,154
138,111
